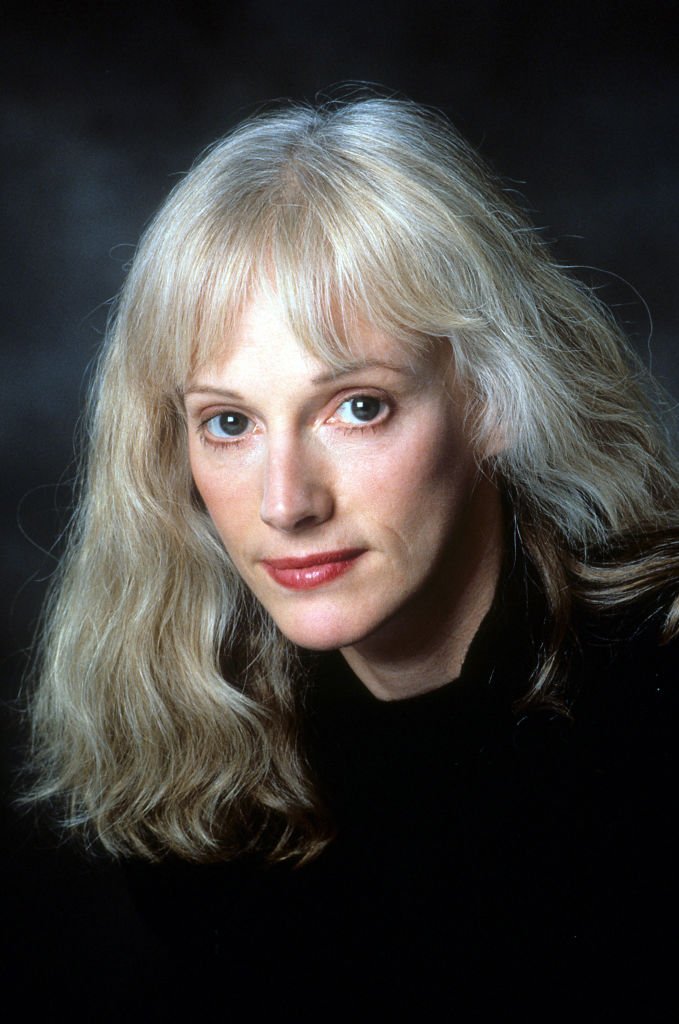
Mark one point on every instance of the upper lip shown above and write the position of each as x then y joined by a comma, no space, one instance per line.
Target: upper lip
318,558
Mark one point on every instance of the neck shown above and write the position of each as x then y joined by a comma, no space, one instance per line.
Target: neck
424,647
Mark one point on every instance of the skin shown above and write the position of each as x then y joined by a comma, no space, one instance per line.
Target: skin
292,459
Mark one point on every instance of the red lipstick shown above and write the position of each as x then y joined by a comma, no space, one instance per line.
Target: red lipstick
311,570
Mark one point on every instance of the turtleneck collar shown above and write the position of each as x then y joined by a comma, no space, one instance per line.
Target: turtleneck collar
499,661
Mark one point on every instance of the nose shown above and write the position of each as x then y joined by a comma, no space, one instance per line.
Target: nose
297,492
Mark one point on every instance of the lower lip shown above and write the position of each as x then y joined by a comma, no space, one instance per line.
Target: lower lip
309,576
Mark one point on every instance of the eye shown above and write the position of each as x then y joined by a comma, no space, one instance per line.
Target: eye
361,409
228,425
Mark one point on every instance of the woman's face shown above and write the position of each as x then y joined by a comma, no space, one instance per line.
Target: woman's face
349,502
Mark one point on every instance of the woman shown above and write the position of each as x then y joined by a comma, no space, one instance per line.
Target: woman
370,594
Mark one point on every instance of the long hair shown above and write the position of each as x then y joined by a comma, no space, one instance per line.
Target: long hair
167,713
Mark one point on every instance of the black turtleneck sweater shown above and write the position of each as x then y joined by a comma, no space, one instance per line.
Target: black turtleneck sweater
486,858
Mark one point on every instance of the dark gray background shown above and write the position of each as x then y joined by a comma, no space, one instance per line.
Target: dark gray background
103,106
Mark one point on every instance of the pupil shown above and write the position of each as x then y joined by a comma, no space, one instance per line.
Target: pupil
232,423
365,408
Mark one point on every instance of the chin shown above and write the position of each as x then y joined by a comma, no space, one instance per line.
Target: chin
321,639
322,633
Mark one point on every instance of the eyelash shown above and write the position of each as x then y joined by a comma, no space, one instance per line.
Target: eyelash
218,444
346,428
368,424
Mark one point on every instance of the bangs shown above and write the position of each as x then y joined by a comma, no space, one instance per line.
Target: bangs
326,293
334,258
342,233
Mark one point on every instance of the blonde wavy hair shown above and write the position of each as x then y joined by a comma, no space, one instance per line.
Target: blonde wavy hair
166,717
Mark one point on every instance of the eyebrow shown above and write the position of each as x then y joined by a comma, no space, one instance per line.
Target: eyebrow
211,389
376,364
323,378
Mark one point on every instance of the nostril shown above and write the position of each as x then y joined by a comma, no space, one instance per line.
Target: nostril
290,520
307,522
296,493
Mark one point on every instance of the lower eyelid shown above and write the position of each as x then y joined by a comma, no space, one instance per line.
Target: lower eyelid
220,444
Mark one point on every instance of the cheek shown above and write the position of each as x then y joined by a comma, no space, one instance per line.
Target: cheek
227,499
424,475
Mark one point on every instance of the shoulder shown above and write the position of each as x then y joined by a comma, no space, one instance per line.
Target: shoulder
626,679
625,729
614,759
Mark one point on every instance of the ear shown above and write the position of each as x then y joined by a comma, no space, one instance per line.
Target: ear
490,435
495,441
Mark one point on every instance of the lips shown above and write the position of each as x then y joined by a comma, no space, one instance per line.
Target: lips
311,570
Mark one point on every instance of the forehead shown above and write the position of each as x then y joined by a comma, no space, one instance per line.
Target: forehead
262,343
